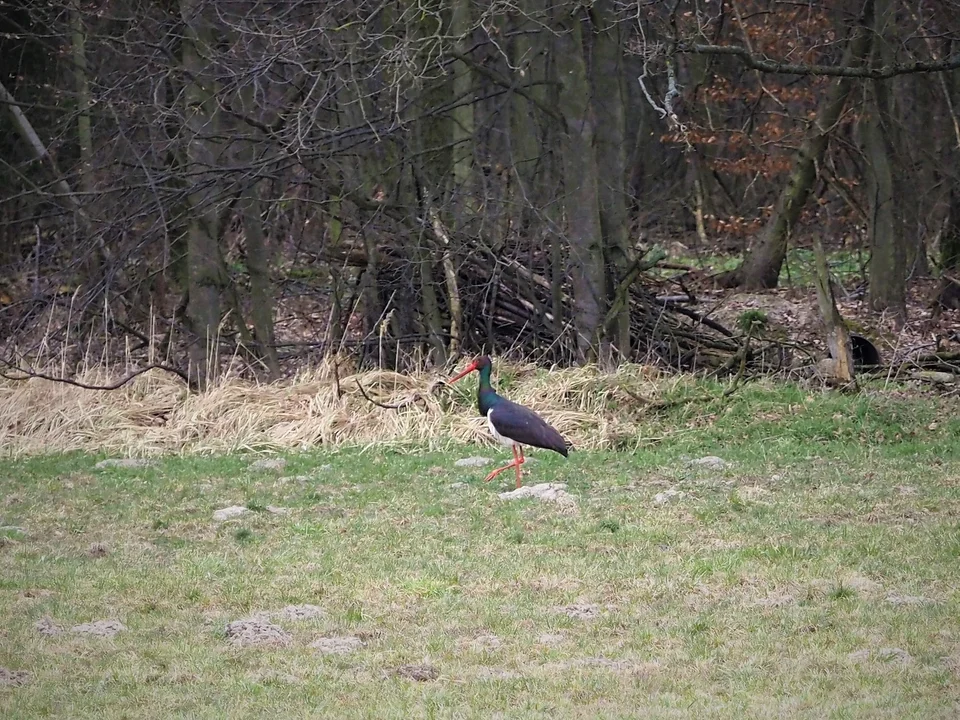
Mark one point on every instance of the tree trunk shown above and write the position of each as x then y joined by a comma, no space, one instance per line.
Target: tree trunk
93,265
261,286
84,136
888,254
257,252
525,137
205,281
608,106
462,120
761,267
949,293
432,319
27,133
586,267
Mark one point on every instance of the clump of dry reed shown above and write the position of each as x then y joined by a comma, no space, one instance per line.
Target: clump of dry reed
156,414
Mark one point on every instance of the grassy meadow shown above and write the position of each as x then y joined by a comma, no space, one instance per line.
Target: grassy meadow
811,572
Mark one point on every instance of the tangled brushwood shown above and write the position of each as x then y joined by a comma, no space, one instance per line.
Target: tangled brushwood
156,413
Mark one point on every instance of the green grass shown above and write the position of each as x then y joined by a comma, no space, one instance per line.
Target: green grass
799,268
786,584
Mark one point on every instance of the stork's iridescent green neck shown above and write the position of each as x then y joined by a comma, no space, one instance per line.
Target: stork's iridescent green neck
486,396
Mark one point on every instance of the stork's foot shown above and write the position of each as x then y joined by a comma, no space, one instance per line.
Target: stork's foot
518,460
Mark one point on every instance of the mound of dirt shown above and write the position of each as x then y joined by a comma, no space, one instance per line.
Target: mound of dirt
13,678
420,673
579,611
100,628
47,626
256,632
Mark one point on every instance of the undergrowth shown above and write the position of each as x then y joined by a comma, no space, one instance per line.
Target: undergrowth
633,408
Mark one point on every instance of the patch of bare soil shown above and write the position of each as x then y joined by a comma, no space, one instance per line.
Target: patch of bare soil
299,612
269,464
100,628
908,600
130,463
47,626
337,645
35,594
495,673
97,550
776,599
272,677
13,678
256,632
898,655
420,673
631,667
581,611
551,639
486,642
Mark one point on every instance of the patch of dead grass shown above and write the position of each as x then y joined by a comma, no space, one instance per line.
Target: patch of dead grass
155,413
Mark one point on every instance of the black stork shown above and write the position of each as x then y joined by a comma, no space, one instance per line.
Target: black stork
511,424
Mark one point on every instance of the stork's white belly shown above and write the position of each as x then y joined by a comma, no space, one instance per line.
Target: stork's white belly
497,436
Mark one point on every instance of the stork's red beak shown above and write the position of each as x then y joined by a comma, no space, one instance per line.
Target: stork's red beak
469,369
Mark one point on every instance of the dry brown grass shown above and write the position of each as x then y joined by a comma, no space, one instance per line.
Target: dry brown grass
156,414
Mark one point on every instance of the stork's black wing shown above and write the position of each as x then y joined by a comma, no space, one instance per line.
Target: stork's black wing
524,426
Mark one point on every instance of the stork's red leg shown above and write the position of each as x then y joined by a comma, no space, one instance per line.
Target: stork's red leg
496,472
518,460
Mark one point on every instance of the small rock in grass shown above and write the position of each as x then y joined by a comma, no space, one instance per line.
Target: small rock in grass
337,645
910,600
300,612
475,461
123,463
897,654
579,611
711,462
547,492
256,632
666,497
13,678
47,626
229,512
420,673
275,464
98,550
100,628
